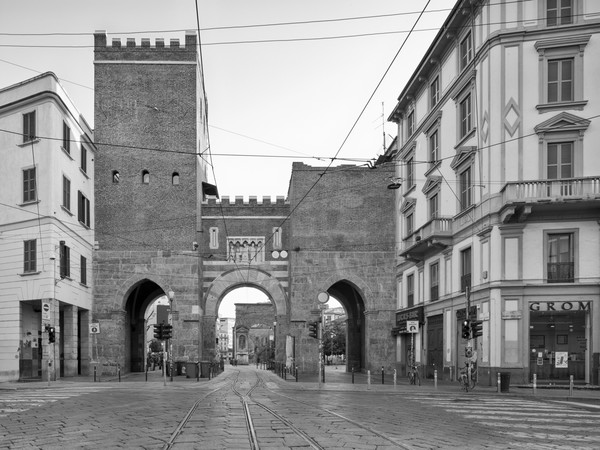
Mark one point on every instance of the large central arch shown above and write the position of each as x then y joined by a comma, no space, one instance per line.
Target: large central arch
246,277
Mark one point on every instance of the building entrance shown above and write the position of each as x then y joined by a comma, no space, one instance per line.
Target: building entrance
558,345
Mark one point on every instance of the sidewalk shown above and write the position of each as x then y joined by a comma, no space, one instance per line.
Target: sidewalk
336,379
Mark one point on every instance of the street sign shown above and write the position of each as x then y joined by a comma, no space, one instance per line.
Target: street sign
94,328
45,311
323,297
412,326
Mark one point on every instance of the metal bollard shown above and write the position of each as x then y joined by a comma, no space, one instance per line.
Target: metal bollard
498,382
94,374
534,383
570,385
198,371
435,379
353,375
395,377
382,376
119,372
296,374
368,379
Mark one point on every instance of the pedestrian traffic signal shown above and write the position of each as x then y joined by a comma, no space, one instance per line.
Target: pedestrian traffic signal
313,329
466,329
477,327
167,331
51,335
158,331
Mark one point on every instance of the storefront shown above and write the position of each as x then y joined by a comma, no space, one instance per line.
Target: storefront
559,340
409,336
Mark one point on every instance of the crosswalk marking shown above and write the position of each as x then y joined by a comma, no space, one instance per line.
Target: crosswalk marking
22,400
539,424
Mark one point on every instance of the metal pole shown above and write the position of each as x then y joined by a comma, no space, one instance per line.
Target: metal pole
498,382
368,379
119,371
94,374
164,363
435,378
352,375
570,385
534,383
296,374
395,377
382,376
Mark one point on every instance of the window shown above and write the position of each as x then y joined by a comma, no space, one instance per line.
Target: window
410,173
83,266
29,126
29,185
145,177
466,51
465,266
410,290
466,189
434,281
560,80
410,124
214,238
66,202
433,206
116,177
83,209
29,257
560,264
560,160
559,12
65,260
561,72
465,116
66,141
277,237
409,222
83,165
434,148
175,179
434,92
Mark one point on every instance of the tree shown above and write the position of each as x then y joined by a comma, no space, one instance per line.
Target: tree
334,338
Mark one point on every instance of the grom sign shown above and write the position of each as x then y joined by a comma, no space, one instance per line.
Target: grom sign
560,306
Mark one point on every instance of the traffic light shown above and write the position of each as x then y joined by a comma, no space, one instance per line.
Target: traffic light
466,329
51,335
313,329
158,331
167,331
477,327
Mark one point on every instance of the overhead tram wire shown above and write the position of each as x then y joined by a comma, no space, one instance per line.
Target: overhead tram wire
355,122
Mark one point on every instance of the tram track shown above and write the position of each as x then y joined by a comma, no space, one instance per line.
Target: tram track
254,410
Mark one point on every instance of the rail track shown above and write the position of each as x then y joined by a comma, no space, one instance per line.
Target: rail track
288,421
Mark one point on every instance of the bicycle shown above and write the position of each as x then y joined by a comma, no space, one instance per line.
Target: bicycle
413,375
468,376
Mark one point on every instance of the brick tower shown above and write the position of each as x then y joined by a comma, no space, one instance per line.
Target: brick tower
150,127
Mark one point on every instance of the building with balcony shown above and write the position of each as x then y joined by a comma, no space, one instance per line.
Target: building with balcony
497,214
46,232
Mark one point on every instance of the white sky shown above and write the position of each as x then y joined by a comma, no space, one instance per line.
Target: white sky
288,100
251,295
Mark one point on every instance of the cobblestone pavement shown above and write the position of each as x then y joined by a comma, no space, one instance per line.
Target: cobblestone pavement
218,414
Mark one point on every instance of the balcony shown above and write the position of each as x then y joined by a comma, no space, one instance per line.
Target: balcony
434,236
561,272
519,197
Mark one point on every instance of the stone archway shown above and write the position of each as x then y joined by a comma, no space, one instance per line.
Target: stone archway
233,279
353,302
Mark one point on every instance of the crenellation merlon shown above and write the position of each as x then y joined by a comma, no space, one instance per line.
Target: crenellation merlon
253,200
144,50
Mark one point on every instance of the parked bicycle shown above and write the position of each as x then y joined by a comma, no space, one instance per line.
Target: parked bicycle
413,374
468,376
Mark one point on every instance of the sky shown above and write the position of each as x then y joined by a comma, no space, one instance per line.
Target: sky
304,92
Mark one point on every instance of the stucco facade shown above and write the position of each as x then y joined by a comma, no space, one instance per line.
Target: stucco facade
46,231
501,192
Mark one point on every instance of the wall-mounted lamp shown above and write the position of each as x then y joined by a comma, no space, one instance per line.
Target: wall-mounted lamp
395,184
171,295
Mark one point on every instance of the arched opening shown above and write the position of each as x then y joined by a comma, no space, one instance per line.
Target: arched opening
145,177
335,333
352,302
247,327
143,296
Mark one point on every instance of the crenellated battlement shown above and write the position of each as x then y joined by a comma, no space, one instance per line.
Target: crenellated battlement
130,49
253,200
